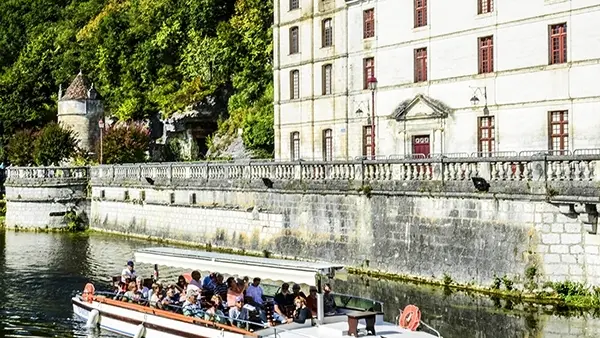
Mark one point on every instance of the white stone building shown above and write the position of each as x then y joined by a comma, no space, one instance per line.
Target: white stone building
532,65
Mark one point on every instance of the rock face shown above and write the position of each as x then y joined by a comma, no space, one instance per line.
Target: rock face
229,147
80,109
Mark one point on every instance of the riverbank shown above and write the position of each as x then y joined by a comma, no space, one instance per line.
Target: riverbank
569,295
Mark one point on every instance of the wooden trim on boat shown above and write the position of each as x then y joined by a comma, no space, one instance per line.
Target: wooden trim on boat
161,313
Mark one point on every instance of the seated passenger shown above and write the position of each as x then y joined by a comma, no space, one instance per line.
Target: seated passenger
302,313
329,301
181,284
234,292
208,283
218,301
213,313
297,292
255,293
311,300
141,288
220,286
132,294
128,274
238,312
169,299
195,283
157,296
190,307
282,300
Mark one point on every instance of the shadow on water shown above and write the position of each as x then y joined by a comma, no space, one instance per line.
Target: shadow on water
40,272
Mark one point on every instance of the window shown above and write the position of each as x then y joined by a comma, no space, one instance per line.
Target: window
294,4
420,13
193,198
294,43
368,71
485,135
558,43
485,6
327,74
486,54
327,33
367,141
294,84
420,64
369,23
327,145
558,125
295,146
172,197
142,195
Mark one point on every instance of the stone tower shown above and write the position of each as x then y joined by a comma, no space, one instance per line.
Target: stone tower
80,109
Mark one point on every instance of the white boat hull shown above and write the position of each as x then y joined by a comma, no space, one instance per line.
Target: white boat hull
127,322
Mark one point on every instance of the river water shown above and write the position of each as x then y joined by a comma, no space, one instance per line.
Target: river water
40,272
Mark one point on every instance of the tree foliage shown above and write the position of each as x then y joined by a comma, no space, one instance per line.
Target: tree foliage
49,146
20,148
144,56
53,144
125,143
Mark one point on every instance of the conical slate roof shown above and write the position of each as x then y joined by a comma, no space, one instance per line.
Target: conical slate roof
78,90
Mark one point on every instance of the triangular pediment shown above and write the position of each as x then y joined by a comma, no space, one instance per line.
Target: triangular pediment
420,107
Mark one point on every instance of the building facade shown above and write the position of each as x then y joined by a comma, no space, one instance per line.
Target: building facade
461,77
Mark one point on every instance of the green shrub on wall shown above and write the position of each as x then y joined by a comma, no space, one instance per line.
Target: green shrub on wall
54,144
20,148
126,143
49,146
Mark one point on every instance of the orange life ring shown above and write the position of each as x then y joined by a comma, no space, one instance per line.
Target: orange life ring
410,318
88,292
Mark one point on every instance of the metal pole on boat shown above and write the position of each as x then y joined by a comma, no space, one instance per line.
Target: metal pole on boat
320,302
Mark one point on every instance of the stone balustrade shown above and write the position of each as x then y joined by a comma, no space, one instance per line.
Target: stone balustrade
46,175
544,168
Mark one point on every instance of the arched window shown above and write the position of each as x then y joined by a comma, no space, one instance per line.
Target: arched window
295,146
327,145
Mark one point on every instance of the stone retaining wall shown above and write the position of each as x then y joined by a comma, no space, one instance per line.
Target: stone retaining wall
470,239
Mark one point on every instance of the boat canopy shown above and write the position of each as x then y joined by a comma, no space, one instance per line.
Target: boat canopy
278,270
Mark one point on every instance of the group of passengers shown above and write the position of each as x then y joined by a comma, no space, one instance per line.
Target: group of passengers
234,301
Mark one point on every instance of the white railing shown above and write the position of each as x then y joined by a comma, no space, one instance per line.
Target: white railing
537,167
44,173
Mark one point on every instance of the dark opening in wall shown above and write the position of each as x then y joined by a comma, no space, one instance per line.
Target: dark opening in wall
102,194
126,195
172,198
142,195
193,198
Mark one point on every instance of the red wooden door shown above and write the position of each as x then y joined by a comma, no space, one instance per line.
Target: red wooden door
421,145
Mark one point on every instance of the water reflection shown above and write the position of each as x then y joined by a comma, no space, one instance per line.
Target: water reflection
40,272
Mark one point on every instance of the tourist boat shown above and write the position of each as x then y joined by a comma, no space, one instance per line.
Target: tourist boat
358,316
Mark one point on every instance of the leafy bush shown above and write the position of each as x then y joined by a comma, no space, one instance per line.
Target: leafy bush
20,148
126,143
258,126
54,144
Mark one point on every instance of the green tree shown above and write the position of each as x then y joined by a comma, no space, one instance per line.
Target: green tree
126,143
20,148
54,144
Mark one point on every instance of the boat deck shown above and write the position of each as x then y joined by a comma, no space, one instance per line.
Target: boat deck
382,330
